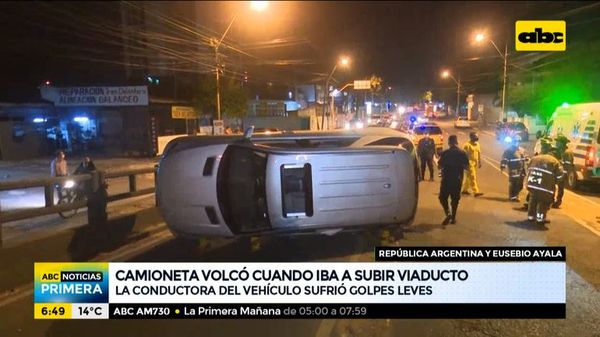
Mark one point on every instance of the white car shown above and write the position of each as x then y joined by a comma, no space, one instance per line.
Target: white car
462,122
287,183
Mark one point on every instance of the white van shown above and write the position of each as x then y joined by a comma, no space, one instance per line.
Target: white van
580,123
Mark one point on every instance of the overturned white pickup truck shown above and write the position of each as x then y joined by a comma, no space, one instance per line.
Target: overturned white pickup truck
287,183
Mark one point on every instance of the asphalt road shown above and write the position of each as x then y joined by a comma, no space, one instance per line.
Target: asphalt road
487,220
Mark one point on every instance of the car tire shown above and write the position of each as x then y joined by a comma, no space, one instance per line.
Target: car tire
572,182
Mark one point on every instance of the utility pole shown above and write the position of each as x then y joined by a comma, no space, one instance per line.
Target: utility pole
458,97
504,82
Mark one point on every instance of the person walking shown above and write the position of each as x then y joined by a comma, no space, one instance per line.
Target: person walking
426,151
452,164
514,159
566,159
543,174
473,151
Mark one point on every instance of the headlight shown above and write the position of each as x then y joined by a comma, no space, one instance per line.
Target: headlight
359,125
69,184
347,126
507,139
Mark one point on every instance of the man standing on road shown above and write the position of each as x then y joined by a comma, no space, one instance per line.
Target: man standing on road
58,166
426,151
473,151
544,173
514,159
452,164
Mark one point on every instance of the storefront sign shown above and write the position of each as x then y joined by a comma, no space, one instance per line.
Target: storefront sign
183,112
96,96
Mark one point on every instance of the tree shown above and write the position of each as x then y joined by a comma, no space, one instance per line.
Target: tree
376,83
427,96
233,98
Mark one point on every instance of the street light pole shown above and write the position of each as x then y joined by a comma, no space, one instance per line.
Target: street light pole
446,74
457,96
218,66
326,95
504,83
505,58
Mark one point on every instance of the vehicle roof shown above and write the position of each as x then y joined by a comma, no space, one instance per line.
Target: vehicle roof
577,108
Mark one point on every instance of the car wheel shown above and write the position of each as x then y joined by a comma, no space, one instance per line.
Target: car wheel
572,182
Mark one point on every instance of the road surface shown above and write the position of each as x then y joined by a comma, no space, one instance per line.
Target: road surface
487,220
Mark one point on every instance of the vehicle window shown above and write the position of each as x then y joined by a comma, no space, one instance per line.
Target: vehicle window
389,141
432,130
241,189
296,190
518,126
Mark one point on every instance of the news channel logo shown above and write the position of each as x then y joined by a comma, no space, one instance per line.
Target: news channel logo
71,282
547,35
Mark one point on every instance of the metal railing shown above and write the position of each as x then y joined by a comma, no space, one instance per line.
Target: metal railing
48,184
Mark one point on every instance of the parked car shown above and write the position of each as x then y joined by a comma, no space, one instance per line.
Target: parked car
434,131
462,122
287,183
512,129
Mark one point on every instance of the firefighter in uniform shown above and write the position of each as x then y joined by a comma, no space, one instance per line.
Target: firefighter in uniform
514,159
565,156
473,151
543,174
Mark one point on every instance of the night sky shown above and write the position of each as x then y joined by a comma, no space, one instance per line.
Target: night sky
405,43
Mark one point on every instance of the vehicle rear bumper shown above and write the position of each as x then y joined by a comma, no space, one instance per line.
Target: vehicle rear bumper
588,174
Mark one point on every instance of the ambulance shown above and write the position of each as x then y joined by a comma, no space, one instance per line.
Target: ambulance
580,123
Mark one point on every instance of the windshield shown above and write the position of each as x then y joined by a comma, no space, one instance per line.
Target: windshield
241,188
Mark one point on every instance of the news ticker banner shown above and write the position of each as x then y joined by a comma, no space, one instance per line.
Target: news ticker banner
424,282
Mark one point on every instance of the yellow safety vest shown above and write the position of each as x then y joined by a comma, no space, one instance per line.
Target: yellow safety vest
473,152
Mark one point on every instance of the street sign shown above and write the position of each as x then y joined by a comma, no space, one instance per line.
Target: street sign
218,127
183,112
362,85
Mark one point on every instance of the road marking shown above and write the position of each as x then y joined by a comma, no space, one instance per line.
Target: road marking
574,218
124,252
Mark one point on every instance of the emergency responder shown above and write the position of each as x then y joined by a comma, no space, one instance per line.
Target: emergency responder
426,151
452,164
543,174
473,151
514,159
565,156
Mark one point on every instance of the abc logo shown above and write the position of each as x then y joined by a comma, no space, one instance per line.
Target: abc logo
540,35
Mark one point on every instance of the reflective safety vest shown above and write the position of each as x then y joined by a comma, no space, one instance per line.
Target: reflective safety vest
473,152
514,159
544,173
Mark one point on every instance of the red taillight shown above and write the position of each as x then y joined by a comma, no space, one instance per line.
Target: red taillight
590,156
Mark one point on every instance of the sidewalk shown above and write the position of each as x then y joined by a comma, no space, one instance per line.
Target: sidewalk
40,167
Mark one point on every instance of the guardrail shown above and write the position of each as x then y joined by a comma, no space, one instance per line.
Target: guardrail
95,179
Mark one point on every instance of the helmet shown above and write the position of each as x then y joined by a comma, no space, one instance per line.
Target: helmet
562,142
561,139
546,145
473,136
